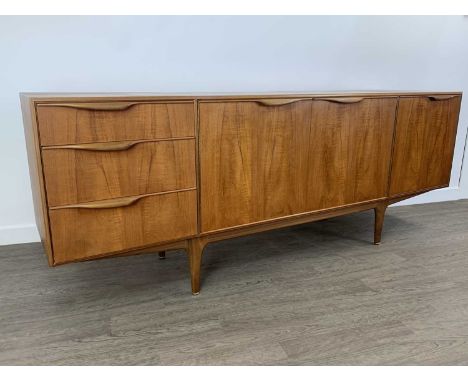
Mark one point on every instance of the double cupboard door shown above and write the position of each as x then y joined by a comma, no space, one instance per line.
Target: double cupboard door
269,158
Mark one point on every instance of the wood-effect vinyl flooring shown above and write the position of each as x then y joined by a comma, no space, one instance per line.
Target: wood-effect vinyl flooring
315,294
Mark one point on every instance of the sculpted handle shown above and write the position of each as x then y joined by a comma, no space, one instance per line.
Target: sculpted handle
344,100
111,203
278,101
103,146
102,106
441,97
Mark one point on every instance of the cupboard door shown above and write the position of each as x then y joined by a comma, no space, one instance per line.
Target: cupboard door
266,159
424,142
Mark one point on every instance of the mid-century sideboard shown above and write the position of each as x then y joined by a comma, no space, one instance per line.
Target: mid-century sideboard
124,173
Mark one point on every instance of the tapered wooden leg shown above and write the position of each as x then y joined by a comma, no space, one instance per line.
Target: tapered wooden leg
379,219
194,251
162,255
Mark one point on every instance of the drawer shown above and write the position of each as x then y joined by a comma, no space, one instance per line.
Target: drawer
71,123
99,228
89,172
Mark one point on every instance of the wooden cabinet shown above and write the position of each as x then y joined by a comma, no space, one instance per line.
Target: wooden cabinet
118,174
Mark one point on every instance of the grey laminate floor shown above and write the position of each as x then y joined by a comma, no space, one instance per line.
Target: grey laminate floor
313,294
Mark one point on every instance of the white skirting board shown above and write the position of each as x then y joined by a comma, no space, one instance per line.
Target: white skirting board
16,234
440,195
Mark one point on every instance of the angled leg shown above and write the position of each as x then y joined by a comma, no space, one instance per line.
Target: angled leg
162,255
195,251
379,212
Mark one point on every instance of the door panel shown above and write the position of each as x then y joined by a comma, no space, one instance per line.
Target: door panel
264,160
424,142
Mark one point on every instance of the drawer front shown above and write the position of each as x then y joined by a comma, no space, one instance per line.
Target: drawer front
72,123
80,233
83,173
424,142
266,159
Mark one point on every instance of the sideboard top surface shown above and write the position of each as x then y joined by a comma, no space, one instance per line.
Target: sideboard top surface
53,97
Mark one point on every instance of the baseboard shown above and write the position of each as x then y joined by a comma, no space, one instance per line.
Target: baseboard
16,234
436,196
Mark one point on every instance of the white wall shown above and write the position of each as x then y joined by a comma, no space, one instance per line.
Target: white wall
179,54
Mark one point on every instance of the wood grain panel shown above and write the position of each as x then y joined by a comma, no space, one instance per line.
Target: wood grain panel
424,143
76,176
61,125
262,162
81,233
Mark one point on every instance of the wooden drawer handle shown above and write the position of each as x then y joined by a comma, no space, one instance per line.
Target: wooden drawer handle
344,100
107,106
117,202
278,101
101,106
104,146
111,203
441,97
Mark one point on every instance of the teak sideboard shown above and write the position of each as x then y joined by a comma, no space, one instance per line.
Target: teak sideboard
130,173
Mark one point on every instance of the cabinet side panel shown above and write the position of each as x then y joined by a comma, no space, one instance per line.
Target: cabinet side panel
424,143
35,173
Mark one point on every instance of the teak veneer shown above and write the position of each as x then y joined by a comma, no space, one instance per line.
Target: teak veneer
118,174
